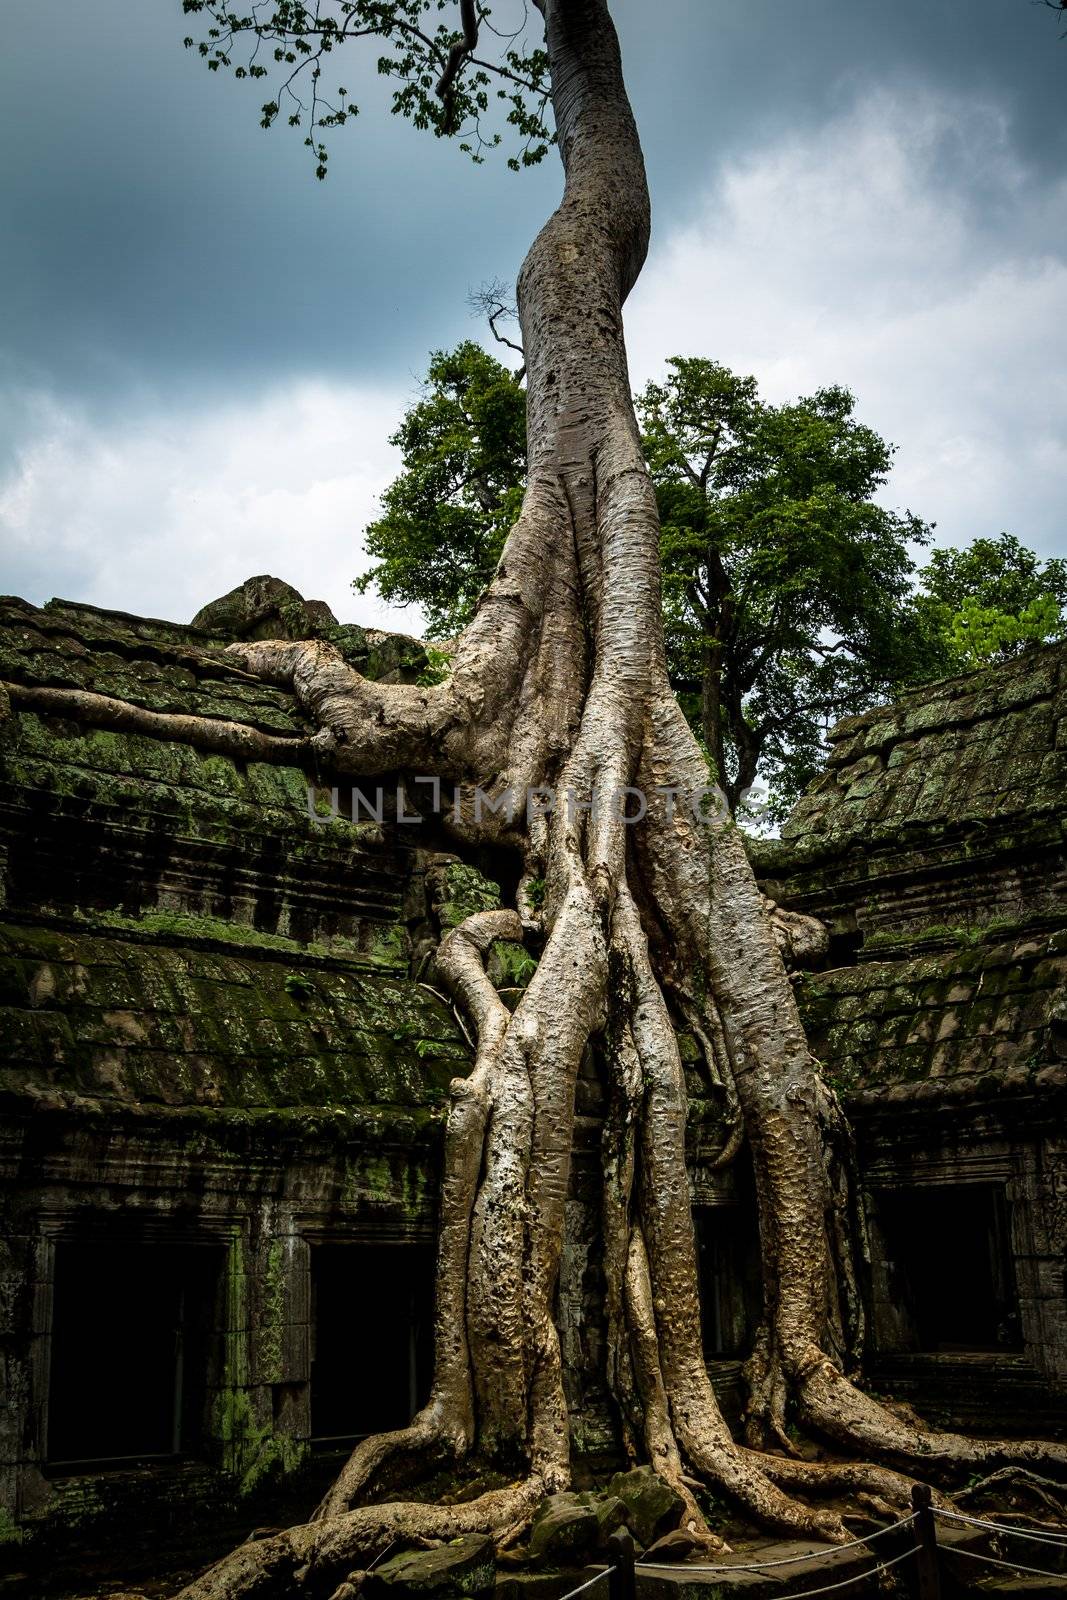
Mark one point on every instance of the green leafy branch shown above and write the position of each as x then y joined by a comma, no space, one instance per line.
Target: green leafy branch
440,83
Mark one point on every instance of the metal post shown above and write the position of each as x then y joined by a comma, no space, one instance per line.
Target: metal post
927,1561
622,1583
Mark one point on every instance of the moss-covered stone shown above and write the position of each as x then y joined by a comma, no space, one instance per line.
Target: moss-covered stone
563,1529
460,891
653,1507
466,1566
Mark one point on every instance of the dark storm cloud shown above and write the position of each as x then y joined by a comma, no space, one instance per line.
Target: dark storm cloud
204,350
155,234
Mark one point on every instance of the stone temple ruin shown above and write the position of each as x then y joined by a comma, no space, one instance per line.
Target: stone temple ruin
225,1067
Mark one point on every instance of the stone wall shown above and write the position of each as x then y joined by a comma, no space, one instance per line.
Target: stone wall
933,847
210,1037
215,1038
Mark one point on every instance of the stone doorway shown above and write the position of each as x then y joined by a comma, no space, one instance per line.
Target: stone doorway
133,1344
947,1278
372,1337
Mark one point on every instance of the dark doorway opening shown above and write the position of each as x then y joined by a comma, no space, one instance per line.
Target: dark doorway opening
372,1337
728,1263
133,1341
949,1278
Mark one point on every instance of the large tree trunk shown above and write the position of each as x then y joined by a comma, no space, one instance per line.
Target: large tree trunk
561,680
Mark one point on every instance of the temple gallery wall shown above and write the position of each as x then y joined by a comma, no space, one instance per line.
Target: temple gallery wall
225,1066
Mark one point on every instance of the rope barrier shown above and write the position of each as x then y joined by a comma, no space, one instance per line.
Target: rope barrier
588,1584
1035,1536
788,1561
827,1588
723,1568
1013,1566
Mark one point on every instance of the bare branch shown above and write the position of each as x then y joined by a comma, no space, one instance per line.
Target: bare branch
458,54
494,301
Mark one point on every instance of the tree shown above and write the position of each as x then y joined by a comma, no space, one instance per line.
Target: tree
989,600
445,518
787,593
560,681
787,597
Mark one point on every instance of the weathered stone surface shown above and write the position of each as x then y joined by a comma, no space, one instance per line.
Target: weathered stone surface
678,1545
611,1513
264,608
457,891
653,1507
974,1020
933,848
209,1032
175,1012
563,1528
942,812
464,1567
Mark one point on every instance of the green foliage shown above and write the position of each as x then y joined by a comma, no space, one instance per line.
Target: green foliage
445,519
294,44
991,600
298,987
438,662
787,592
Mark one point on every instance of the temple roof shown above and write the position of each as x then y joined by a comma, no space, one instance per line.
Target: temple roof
976,749
180,937
177,932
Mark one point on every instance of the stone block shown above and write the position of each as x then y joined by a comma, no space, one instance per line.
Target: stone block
467,1566
563,1528
653,1507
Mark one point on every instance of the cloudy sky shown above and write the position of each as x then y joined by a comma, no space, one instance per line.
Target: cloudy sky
203,351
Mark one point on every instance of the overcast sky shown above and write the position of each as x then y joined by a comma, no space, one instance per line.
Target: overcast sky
203,351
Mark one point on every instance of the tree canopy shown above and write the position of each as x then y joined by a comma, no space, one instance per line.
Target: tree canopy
445,518
440,84
787,594
993,598
790,595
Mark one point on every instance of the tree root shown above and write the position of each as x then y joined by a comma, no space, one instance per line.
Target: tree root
672,1334
560,681
1046,1491
833,1407
237,740
315,1556
858,1478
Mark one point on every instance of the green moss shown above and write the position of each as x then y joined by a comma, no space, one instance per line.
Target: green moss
252,1453
509,965
299,987
964,937
255,1454
10,1532
390,949
465,891
268,1333
181,927
159,1025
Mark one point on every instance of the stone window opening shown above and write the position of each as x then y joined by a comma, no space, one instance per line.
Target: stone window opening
135,1342
944,1278
730,1282
371,1337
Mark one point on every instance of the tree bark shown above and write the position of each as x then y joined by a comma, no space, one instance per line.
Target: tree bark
561,680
